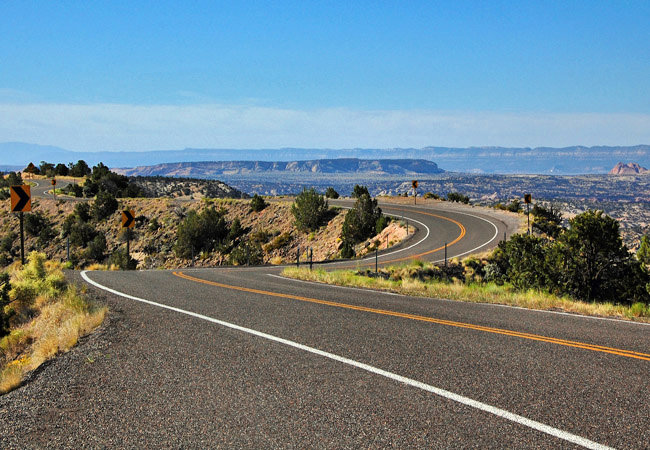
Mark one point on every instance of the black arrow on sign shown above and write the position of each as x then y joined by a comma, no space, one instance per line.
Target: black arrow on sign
127,219
24,198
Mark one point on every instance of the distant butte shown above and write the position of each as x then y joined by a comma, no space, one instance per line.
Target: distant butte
628,169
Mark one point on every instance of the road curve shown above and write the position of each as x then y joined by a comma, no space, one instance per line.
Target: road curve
240,357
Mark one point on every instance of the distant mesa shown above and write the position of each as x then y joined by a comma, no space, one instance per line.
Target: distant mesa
628,169
210,169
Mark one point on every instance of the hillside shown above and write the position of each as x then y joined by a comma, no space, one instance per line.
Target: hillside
157,221
211,169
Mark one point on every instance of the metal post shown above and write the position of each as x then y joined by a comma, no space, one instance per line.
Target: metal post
415,196
528,214
298,257
22,240
311,257
445,254
407,227
376,259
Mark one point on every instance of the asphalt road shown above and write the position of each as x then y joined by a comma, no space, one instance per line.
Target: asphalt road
243,358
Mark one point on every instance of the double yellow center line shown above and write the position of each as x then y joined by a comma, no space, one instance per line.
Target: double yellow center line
534,337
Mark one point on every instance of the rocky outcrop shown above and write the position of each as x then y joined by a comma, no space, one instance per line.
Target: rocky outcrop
628,169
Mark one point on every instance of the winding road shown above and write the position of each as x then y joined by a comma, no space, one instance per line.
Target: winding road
242,357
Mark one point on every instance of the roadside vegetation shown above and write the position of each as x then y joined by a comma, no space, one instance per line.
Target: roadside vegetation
583,268
41,315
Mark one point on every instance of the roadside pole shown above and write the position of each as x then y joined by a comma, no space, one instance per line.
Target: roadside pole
21,201
22,240
414,183
128,222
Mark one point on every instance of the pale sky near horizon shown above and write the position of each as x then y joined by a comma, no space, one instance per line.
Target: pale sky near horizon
160,75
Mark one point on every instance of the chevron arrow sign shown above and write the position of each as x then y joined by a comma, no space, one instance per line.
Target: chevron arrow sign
21,198
128,219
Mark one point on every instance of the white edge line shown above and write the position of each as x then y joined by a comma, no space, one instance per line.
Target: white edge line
569,437
415,297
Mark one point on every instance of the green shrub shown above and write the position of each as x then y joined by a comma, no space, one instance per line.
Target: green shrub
547,220
382,223
279,242
96,248
246,253
260,236
36,223
154,225
80,233
514,206
359,190
258,203
643,254
362,221
200,232
104,206
309,210
120,259
331,193
82,211
7,242
457,197
74,190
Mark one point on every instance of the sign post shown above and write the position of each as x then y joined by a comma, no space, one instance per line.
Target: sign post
54,188
414,183
528,199
128,222
21,201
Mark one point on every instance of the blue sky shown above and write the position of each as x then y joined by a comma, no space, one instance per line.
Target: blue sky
153,75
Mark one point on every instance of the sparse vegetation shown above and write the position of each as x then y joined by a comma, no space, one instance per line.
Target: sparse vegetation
47,317
408,280
457,197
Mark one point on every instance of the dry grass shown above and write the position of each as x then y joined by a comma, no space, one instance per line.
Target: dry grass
58,316
473,292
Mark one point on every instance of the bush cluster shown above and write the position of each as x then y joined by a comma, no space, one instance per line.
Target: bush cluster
588,261
457,197
206,232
